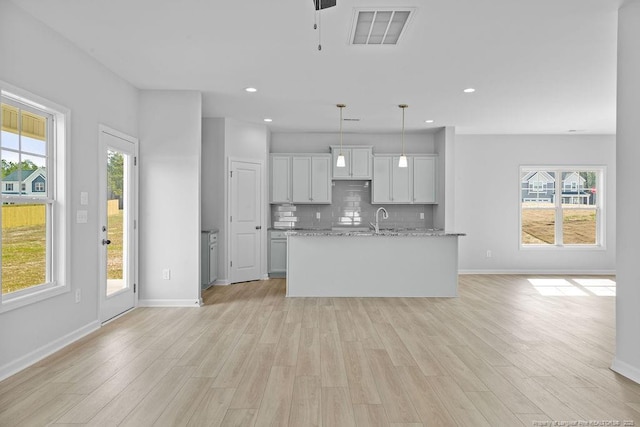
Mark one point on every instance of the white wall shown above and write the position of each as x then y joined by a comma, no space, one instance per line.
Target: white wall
249,141
312,142
170,161
444,211
60,72
487,200
213,190
224,139
627,359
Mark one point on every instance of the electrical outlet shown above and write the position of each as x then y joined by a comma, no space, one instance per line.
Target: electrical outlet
84,198
166,274
317,215
78,295
489,253
421,215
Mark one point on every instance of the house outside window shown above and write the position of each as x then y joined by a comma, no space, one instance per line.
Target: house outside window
34,227
570,214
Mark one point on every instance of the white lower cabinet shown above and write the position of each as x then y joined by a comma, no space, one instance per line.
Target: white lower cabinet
277,253
209,258
415,184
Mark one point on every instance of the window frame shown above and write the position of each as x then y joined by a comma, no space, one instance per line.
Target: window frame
55,196
601,172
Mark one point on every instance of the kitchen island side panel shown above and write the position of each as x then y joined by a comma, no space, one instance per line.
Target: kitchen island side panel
372,266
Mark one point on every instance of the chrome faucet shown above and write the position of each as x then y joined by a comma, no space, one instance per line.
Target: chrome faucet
385,215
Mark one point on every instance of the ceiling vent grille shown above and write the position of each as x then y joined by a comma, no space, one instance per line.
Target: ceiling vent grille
379,27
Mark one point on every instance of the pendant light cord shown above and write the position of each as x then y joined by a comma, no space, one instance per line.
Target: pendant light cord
403,130
320,27
341,130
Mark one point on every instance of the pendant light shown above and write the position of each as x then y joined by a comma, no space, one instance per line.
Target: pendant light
341,163
402,163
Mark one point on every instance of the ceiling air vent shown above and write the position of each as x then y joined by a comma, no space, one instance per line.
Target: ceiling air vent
378,26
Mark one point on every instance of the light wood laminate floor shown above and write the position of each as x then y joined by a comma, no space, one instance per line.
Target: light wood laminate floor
502,354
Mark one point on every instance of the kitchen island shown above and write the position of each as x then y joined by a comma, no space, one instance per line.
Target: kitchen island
405,263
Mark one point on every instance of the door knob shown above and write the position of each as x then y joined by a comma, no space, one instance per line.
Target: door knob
258,227
106,241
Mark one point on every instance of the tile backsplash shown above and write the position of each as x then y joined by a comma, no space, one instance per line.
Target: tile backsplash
351,207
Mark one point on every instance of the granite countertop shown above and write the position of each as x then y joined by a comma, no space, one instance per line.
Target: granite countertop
401,232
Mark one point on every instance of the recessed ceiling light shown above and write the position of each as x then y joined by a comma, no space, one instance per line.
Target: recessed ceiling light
428,121
469,90
268,120
250,89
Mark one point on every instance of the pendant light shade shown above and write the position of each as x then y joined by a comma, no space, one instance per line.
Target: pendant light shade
340,162
402,162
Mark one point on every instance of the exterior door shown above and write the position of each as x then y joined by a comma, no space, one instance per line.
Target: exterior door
118,222
245,221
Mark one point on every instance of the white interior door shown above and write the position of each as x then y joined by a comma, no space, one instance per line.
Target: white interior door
245,221
118,207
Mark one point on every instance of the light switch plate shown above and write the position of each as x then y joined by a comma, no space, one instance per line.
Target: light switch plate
82,216
84,198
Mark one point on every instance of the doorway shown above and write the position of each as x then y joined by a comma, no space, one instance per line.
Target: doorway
245,221
118,222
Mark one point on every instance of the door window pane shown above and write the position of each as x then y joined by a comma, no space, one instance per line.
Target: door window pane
116,168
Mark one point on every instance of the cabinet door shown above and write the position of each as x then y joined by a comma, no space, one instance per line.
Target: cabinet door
400,180
361,163
321,179
381,191
278,256
280,179
344,172
301,179
424,180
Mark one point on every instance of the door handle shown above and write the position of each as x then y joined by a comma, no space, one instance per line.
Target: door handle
258,227
106,241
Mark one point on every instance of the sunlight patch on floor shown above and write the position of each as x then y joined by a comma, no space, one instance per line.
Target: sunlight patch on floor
574,287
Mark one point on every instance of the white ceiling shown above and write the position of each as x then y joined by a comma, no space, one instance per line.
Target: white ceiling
539,66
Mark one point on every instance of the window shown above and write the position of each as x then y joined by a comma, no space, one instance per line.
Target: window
569,213
8,186
33,234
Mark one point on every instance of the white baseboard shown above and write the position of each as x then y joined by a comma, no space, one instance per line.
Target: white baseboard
35,356
221,283
544,272
624,369
169,303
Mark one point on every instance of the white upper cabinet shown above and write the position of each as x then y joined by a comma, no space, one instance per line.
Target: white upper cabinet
396,185
311,179
424,179
400,182
381,184
280,185
321,179
358,161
